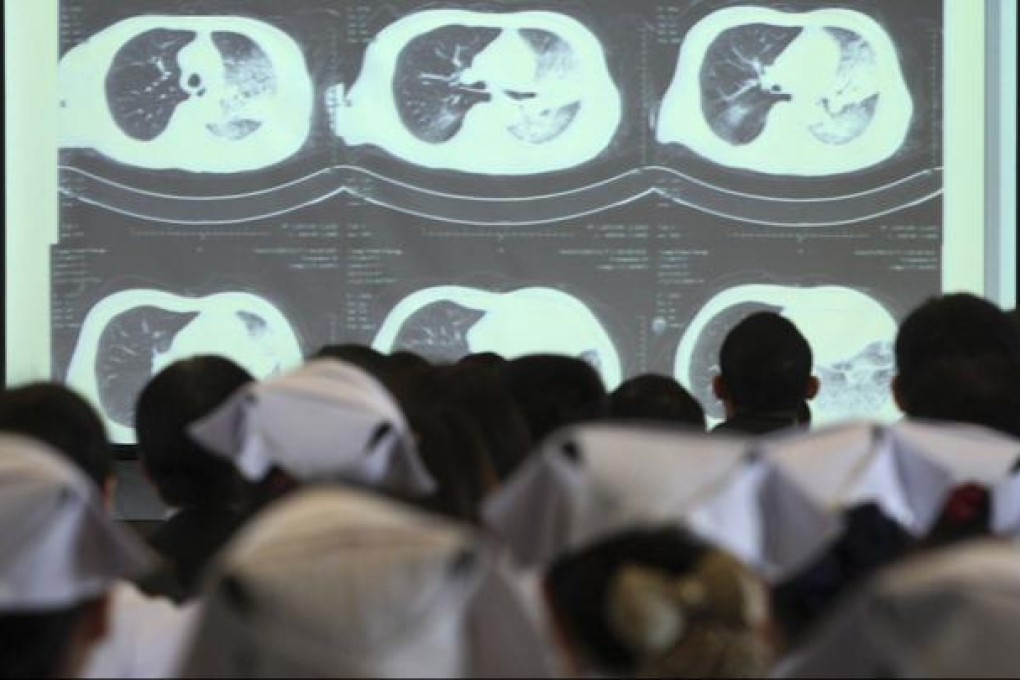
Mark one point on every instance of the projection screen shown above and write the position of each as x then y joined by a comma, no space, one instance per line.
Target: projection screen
619,182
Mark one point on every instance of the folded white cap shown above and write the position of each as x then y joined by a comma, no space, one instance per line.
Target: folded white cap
326,420
335,582
951,613
58,547
908,469
591,480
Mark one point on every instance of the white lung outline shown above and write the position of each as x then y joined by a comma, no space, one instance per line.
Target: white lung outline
85,121
544,307
81,372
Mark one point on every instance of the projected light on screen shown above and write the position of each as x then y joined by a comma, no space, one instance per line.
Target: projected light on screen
201,94
131,335
445,323
511,93
851,337
812,93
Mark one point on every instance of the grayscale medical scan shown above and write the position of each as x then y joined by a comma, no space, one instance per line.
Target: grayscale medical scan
616,181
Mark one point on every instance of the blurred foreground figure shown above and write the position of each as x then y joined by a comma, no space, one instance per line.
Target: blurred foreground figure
948,613
333,582
60,557
657,602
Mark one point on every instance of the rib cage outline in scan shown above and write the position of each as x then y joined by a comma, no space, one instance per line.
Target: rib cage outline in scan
131,335
754,84
212,94
444,323
850,333
516,93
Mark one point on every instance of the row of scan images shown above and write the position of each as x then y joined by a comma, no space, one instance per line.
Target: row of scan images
129,336
508,93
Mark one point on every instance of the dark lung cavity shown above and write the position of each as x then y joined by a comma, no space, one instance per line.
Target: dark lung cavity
705,356
254,324
143,85
125,353
438,331
249,74
431,100
733,100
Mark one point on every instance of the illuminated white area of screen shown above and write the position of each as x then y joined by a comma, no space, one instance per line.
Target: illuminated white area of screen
802,136
495,137
31,46
851,337
190,141
526,321
216,330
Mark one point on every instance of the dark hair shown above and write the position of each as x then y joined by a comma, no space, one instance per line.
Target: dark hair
958,358
981,390
183,471
949,326
489,360
362,356
655,397
449,441
552,391
478,391
578,584
766,364
35,644
58,416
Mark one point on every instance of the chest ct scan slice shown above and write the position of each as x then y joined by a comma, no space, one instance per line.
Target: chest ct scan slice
851,337
131,335
445,323
215,94
489,93
809,94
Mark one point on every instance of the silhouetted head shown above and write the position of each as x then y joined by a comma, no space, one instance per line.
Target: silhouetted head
553,390
58,416
958,358
489,360
765,366
656,397
182,470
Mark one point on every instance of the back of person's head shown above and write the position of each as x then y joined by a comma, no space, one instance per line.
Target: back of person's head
553,390
363,356
958,358
58,416
656,397
765,365
485,400
60,554
489,360
950,326
449,440
658,602
184,472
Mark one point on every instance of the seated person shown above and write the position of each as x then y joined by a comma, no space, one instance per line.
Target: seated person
145,633
656,397
205,491
60,558
764,376
336,582
657,602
